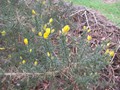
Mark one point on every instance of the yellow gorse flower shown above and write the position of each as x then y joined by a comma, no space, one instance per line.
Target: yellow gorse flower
48,54
47,30
111,53
33,12
89,30
45,35
21,57
30,50
25,41
89,38
52,57
9,56
65,29
3,33
53,30
36,63
33,30
2,48
66,39
50,20
84,27
107,51
44,2
23,61
108,44
40,34
45,26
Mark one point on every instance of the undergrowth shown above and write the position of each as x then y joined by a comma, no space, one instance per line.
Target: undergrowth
37,43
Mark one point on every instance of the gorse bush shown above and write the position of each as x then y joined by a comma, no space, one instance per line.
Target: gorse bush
37,37
30,30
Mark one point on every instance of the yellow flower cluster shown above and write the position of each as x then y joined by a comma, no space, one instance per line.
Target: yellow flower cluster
65,29
47,33
110,52
24,61
47,30
86,28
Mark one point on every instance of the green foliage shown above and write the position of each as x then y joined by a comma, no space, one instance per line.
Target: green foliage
52,54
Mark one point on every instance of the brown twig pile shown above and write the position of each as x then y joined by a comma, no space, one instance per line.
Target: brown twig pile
101,28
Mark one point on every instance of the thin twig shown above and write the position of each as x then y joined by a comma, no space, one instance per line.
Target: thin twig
77,12
28,74
85,13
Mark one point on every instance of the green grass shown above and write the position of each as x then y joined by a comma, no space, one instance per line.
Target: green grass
111,11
